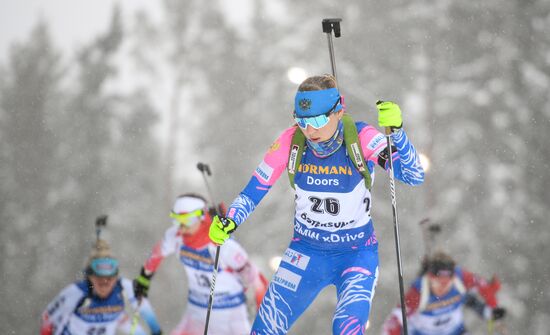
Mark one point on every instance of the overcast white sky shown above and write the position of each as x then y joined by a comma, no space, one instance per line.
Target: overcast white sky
72,22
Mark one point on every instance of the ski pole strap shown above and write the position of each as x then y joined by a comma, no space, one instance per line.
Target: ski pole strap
353,147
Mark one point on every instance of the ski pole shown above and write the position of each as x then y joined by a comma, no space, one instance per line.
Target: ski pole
330,25
490,327
205,170
100,221
429,232
396,229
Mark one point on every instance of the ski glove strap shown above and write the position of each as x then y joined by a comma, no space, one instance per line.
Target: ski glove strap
389,115
221,228
142,284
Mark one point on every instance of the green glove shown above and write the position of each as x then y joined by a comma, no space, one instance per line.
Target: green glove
389,114
142,284
220,229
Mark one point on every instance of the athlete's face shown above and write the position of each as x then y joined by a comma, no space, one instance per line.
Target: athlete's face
190,229
440,284
102,286
324,133
189,222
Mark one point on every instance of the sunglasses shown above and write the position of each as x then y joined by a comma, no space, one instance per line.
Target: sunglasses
318,121
104,267
441,274
187,219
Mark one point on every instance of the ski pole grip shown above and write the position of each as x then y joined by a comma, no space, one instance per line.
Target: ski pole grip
330,25
101,221
204,168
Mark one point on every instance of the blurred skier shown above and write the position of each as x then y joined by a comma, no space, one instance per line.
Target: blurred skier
97,304
330,159
188,239
436,299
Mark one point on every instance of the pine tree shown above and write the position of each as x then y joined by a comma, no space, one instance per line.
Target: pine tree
30,98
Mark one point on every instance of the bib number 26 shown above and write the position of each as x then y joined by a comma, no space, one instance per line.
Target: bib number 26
327,205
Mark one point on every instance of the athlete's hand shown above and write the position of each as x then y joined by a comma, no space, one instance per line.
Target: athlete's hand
142,284
498,313
220,229
389,114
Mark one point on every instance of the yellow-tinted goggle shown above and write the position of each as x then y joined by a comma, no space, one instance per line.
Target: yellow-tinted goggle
186,219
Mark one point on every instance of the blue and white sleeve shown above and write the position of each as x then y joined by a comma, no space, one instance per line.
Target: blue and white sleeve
406,163
244,205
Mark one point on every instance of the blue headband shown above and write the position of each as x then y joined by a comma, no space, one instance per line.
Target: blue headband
104,267
313,103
